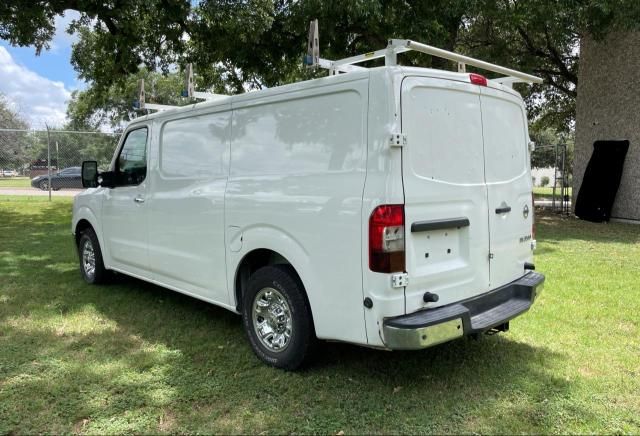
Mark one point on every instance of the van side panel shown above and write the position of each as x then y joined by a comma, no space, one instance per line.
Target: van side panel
188,177
297,172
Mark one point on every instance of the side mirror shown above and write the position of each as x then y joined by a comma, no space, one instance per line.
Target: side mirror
90,174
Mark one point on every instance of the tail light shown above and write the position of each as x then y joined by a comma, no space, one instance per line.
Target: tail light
386,239
477,79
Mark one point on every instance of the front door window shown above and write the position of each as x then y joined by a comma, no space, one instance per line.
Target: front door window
131,165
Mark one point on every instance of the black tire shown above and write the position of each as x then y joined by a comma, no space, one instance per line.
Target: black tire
44,185
100,273
302,340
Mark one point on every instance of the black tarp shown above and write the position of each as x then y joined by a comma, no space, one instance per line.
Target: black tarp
601,181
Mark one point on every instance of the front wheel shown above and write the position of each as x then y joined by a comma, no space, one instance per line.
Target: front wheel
277,317
44,185
91,264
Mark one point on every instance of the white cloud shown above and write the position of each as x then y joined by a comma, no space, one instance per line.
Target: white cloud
38,99
61,38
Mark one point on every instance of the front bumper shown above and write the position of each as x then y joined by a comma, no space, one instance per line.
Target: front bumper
476,315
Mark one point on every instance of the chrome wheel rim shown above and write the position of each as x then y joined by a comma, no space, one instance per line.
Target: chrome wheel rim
88,259
44,185
272,320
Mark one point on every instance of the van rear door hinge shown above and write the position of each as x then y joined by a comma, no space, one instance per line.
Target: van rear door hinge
398,140
399,280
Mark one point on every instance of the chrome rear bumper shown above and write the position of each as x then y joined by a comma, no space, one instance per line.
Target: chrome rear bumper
476,315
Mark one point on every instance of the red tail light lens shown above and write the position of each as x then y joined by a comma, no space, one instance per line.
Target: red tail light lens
477,79
386,239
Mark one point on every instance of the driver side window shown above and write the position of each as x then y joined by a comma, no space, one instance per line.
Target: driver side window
131,165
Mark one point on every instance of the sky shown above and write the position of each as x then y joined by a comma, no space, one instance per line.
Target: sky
39,87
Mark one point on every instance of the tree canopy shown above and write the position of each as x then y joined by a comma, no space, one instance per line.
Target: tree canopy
92,108
236,45
547,140
13,144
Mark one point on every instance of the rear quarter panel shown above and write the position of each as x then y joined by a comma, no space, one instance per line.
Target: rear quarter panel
297,173
383,186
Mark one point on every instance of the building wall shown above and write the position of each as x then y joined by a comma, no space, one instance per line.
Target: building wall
539,173
608,108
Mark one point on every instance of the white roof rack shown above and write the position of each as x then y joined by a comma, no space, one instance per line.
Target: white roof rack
141,104
189,87
395,46
347,65
188,92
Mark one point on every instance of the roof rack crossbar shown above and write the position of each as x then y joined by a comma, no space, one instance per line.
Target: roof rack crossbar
370,56
396,46
157,107
462,59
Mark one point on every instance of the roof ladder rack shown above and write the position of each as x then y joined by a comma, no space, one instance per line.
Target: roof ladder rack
188,92
396,46
140,104
189,87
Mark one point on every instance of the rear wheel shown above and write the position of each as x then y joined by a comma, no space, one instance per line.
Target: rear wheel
277,317
91,264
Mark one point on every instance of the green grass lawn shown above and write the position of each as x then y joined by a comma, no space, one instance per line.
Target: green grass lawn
134,358
15,182
547,192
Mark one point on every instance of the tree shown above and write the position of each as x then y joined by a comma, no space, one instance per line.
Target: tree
14,145
243,44
125,33
542,36
267,47
93,108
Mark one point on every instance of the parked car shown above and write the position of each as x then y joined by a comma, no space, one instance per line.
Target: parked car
68,178
388,207
9,173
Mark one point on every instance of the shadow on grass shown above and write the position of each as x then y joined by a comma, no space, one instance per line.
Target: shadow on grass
134,357
553,228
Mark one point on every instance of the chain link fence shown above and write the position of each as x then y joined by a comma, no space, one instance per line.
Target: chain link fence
48,162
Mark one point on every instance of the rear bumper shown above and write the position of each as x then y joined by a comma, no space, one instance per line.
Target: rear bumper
476,315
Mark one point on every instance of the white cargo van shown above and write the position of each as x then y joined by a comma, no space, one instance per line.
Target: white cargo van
389,207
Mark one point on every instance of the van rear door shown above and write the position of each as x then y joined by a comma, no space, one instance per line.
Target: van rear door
446,211
508,184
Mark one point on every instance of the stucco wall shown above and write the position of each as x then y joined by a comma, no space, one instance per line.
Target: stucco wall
608,107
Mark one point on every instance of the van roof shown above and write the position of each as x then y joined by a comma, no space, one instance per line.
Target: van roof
391,71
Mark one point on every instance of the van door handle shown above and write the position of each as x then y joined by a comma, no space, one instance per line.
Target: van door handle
505,209
139,200
428,226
